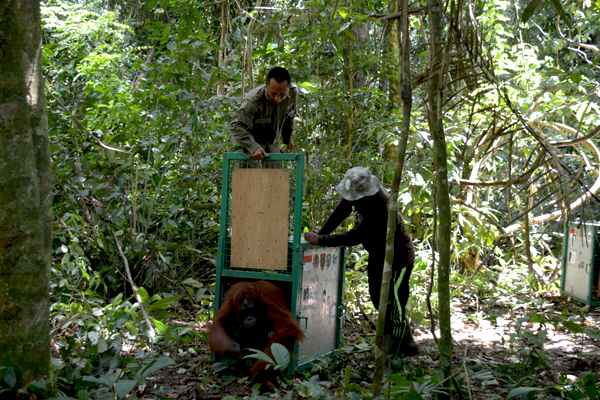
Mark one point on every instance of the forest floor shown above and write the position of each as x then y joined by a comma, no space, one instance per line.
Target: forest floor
498,347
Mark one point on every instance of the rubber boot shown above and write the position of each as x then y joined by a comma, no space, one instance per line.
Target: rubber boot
408,347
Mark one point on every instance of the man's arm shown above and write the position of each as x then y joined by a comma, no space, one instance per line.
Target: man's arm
341,212
353,237
241,124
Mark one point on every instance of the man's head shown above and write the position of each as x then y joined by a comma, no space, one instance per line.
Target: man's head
358,183
278,84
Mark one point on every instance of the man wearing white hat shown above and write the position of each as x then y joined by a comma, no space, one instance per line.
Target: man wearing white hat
362,192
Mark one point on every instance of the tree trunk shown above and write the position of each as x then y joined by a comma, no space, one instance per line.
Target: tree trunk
527,243
222,49
25,193
356,75
393,202
249,46
436,127
393,50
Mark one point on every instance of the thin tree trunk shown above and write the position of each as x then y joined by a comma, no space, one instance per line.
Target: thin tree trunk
224,30
393,202
393,50
25,194
350,116
441,185
527,232
249,47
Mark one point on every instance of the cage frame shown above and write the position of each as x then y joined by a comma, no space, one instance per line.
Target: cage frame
590,299
293,275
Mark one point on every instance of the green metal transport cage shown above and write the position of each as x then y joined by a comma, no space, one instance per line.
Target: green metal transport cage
261,238
580,278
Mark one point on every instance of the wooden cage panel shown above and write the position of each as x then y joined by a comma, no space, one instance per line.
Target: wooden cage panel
260,218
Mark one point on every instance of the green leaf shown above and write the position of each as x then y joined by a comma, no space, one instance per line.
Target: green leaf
34,386
446,351
83,394
259,355
102,346
413,394
281,355
154,366
143,293
167,334
160,326
192,282
591,353
344,27
132,328
107,381
529,10
537,318
10,376
307,87
573,327
595,336
439,374
520,391
123,387
213,77
561,11
222,365
6,361
576,78
151,4
163,304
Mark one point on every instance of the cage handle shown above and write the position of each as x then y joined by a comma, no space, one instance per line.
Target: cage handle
305,323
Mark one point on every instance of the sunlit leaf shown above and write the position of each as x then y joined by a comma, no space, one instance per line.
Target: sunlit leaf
281,355
259,355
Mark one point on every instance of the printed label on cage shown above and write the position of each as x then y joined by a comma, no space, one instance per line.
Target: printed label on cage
572,257
308,295
325,303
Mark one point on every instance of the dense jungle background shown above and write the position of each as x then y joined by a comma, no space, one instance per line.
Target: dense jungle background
140,95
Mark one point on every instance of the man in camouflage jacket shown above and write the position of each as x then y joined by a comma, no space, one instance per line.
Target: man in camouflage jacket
266,114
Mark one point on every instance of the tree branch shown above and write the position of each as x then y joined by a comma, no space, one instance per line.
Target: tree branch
135,289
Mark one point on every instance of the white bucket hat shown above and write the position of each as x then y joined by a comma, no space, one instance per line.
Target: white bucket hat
358,183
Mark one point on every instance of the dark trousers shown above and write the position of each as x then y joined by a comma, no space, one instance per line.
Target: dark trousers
394,321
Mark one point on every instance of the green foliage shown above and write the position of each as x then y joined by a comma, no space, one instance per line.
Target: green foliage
8,374
140,98
99,372
280,354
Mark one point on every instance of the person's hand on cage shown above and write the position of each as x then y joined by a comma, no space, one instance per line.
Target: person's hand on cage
311,237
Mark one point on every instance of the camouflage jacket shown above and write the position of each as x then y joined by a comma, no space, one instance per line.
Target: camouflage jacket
259,122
